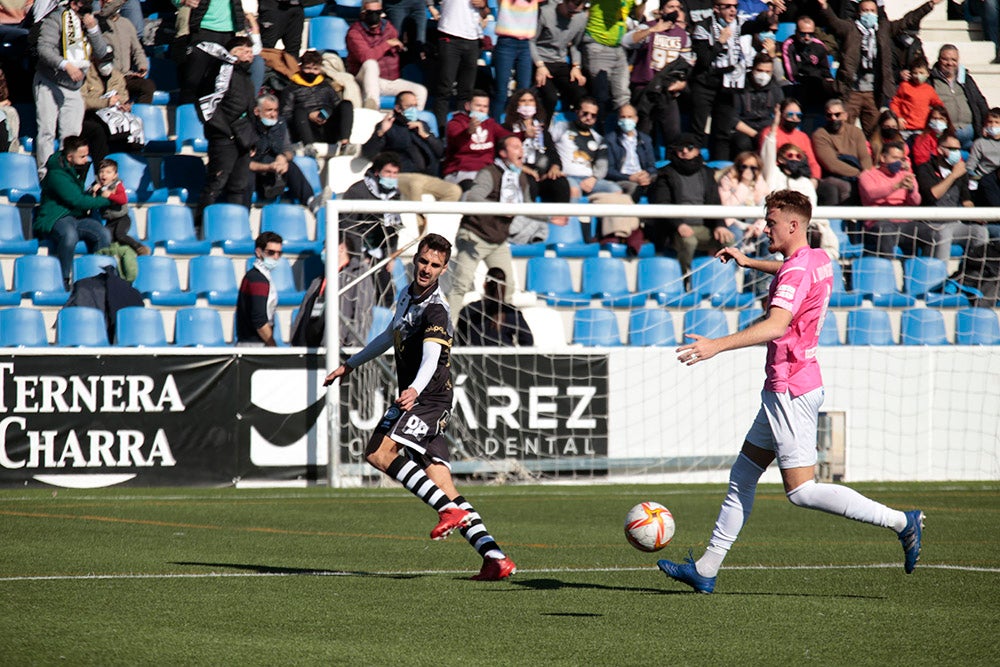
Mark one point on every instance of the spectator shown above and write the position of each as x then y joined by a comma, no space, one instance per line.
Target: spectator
491,321
865,77
755,105
212,21
724,49
67,37
272,162
471,137
583,153
686,180
806,63
926,143
914,98
555,50
108,123
528,122
517,23
398,11
984,159
743,184
891,183
966,105
373,49
116,215
604,56
10,120
129,56
944,181
258,300
229,127
660,72
785,165
282,20
888,129
419,152
62,216
459,32
842,153
314,110
786,125
631,158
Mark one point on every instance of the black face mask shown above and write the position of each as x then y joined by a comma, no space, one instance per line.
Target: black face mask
686,167
795,168
308,78
890,133
789,125
371,19
834,125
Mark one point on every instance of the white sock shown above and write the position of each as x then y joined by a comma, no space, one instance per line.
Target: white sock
845,501
733,514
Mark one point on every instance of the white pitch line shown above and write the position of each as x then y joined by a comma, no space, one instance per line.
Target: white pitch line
396,573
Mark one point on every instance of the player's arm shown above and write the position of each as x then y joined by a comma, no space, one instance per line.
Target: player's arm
768,329
771,266
377,346
428,364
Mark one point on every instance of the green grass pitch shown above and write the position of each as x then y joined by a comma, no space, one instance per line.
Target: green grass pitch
349,577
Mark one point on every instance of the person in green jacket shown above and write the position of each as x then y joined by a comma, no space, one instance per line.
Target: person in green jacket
62,215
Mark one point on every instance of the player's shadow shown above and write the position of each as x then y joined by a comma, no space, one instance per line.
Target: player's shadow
298,571
558,584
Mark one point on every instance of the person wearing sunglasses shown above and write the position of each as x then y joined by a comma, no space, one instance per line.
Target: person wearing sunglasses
842,153
583,152
743,184
786,128
805,60
258,300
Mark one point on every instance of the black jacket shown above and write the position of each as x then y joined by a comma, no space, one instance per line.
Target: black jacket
198,13
238,102
318,94
669,185
417,155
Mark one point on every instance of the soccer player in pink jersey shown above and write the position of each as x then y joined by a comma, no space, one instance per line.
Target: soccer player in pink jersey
785,427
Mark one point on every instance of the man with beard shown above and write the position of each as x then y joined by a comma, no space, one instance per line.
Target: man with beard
583,153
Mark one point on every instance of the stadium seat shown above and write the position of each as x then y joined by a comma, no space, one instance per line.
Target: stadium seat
328,33
7,298
927,278
620,250
86,266
704,322
840,297
198,327
748,316
977,326
567,240
19,178
228,226
312,11
876,279
12,241
848,249
596,327
171,226
869,326
39,278
429,118
284,283
22,327
81,326
184,176
140,327
922,326
292,223
660,277
527,249
550,279
154,127
604,278
137,175
310,169
381,318
712,279
785,30
213,278
190,131
829,335
651,327
158,282
163,72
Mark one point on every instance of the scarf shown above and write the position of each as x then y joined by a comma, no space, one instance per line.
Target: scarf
533,146
272,294
510,184
209,103
391,220
732,61
75,46
687,167
868,46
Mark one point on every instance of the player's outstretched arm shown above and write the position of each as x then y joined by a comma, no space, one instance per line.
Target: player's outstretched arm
763,265
342,371
774,326
377,346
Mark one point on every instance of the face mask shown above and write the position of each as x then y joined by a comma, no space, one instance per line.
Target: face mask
920,78
954,157
411,114
889,133
512,168
894,167
796,168
938,126
761,78
478,115
372,19
626,124
765,35
789,125
834,125
308,78
105,70
388,183
270,263
993,131
869,20
526,111
268,122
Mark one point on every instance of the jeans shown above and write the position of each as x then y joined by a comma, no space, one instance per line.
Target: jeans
398,12
600,186
67,231
510,54
458,62
470,249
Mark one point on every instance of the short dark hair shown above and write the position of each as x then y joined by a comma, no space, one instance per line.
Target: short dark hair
993,113
587,99
501,144
107,163
760,59
478,92
789,201
384,158
239,40
919,60
889,145
267,237
399,95
72,144
311,58
437,243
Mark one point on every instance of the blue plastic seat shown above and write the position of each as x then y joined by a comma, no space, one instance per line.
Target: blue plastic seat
310,169
184,176
22,327
927,278
785,30
86,266
19,178
190,131
660,277
876,279
39,278
7,298
140,327
748,316
81,326
869,326
283,280
549,278
705,322
922,326
154,127
527,249
604,278
840,297
141,183
596,327
712,279
429,118
567,240
977,326
158,282
291,222
228,227
213,278
381,318
848,249
620,250
12,241
198,327
829,335
163,72
172,227
328,33
651,327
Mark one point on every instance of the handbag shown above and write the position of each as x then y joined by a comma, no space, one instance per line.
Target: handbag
244,133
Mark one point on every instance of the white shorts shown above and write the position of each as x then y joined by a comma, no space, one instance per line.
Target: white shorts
787,426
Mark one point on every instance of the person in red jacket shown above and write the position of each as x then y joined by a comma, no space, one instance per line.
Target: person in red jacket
914,98
790,114
116,215
373,49
925,146
470,140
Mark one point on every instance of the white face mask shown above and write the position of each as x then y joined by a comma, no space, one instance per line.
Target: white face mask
761,78
526,111
270,263
105,70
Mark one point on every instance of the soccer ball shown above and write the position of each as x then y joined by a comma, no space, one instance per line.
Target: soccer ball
649,526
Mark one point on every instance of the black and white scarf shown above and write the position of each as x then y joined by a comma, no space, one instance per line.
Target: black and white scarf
733,60
533,146
209,103
510,184
869,46
391,220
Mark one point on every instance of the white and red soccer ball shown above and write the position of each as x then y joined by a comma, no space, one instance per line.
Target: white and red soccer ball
649,526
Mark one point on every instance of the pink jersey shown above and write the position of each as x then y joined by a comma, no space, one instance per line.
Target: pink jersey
802,287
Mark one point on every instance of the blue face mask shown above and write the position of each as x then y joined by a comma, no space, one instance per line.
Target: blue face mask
626,124
411,114
479,115
270,263
869,20
937,125
765,35
268,122
894,167
954,157
388,183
